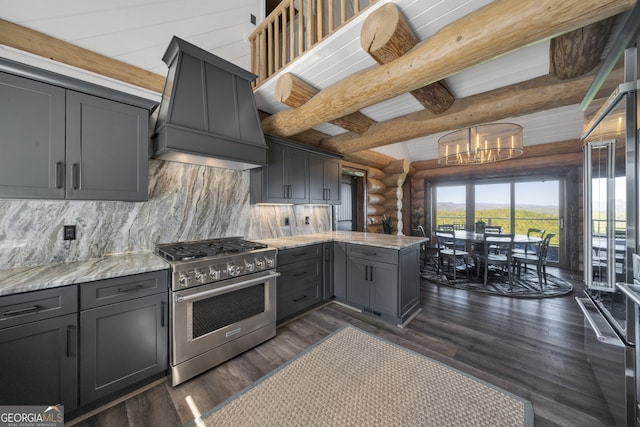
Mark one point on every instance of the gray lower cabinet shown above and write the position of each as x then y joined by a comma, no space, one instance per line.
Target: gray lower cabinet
59,143
300,283
384,282
328,279
123,333
39,348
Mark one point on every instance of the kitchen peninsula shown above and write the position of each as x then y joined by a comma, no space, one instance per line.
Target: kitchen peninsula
375,273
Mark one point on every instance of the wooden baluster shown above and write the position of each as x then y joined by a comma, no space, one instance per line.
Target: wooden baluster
269,49
276,42
356,7
263,55
343,11
292,39
310,25
252,54
331,20
301,20
320,19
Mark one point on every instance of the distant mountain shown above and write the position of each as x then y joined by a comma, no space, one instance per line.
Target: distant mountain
547,209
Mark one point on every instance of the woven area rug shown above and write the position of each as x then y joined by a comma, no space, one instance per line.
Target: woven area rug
353,378
527,286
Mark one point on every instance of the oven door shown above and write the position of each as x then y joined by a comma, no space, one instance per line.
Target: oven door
208,316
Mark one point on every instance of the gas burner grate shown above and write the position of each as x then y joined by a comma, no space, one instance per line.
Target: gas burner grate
184,251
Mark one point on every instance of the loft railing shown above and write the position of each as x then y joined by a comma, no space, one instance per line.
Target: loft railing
294,27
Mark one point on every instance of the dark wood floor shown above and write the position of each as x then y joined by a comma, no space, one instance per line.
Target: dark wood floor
530,347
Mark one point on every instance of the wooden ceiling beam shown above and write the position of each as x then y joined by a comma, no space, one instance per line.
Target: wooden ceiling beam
493,30
386,36
578,52
291,90
527,97
37,43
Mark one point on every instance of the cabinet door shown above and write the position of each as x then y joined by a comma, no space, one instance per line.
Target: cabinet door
298,163
40,363
384,288
332,177
32,117
317,190
122,344
107,149
275,175
358,282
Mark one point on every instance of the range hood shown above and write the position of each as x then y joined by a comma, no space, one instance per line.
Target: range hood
208,114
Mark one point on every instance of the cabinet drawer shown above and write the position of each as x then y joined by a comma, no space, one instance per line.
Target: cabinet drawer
37,305
109,291
298,275
287,256
298,301
373,253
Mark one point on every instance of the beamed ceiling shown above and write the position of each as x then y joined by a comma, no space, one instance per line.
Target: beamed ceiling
493,56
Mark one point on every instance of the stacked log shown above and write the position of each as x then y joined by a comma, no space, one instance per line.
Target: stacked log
376,189
395,175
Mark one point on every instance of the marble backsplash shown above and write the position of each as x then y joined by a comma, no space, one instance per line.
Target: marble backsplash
186,202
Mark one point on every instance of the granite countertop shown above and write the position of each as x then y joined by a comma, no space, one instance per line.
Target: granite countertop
26,279
353,237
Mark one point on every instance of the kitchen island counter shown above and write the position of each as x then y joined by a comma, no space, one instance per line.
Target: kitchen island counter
353,237
25,279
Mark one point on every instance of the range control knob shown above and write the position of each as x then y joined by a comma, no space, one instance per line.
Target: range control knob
214,273
184,280
260,264
249,267
200,276
271,262
233,270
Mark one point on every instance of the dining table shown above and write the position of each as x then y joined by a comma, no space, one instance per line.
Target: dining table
473,237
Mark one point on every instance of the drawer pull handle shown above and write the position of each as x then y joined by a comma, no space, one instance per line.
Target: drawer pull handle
20,311
58,174
300,274
299,254
300,298
370,253
75,176
162,304
133,289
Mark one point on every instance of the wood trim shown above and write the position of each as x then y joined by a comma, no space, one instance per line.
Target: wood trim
37,43
471,40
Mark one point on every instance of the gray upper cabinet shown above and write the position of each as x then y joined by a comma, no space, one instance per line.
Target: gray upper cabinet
63,138
324,179
32,131
296,174
286,177
107,149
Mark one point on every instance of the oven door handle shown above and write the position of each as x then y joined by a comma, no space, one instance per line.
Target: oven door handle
226,289
599,336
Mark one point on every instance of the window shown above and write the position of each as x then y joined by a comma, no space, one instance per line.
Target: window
537,205
451,206
514,206
493,205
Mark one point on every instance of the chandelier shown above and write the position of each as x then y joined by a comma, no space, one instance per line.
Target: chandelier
481,144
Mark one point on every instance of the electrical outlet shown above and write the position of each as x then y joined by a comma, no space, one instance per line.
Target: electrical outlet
286,221
306,220
69,232
253,19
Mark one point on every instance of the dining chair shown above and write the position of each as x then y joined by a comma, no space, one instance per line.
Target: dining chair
531,247
429,255
446,227
539,259
450,253
497,252
493,229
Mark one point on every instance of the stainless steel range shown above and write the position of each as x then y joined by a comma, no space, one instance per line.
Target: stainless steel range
223,301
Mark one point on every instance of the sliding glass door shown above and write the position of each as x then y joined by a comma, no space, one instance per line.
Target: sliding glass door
537,205
450,206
